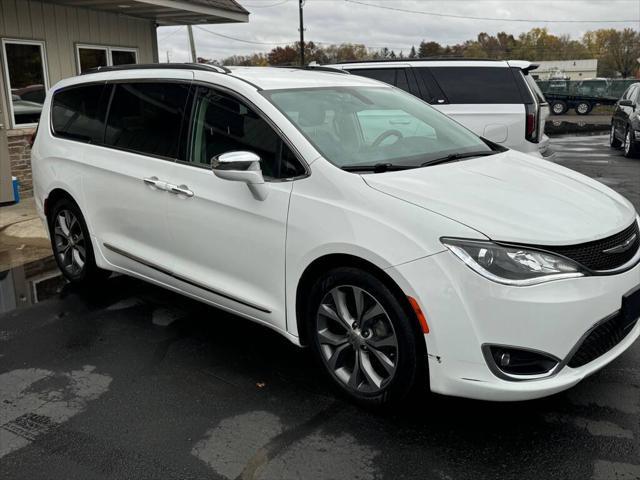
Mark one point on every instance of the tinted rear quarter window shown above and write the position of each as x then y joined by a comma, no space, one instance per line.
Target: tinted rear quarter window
147,118
392,76
386,75
477,84
78,113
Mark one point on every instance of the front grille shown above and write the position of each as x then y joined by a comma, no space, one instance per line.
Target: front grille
591,254
602,339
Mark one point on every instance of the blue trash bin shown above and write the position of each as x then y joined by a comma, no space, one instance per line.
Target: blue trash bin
16,189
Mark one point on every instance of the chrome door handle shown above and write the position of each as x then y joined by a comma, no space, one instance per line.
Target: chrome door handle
155,183
151,181
181,190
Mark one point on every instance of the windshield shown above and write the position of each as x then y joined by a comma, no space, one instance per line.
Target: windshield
352,126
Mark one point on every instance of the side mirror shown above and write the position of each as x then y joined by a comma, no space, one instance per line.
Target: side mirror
241,167
626,103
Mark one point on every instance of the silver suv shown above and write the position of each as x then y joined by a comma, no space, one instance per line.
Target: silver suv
497,100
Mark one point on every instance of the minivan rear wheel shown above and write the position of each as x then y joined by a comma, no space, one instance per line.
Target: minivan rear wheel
71,243
363,337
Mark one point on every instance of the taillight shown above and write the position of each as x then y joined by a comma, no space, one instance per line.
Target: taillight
32,140
531,132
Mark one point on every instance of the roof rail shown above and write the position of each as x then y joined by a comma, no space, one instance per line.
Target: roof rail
151,66
422,59
329,68
317,67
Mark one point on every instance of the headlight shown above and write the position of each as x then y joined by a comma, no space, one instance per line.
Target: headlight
512,265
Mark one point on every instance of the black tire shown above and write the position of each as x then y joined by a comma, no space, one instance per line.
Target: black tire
558,107
80,239
630,147
613,141
409,359
583,108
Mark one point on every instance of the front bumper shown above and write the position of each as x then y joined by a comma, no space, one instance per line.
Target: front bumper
464,311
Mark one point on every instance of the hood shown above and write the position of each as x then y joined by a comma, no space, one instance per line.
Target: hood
513,197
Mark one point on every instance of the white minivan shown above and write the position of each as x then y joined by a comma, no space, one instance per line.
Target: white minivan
496,99
347,215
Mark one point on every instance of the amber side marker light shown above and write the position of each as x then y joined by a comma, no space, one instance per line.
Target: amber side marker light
418,311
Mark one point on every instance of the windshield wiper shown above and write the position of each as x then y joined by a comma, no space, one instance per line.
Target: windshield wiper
376,168
452,157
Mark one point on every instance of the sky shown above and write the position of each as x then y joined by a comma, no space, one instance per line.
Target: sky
275,22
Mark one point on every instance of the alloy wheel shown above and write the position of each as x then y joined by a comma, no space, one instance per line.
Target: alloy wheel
627,142
70,242
612,135
558,108
357,339
582,108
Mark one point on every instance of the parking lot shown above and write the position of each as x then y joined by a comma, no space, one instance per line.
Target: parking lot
130,381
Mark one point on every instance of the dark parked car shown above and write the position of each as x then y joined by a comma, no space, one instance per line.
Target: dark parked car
625,123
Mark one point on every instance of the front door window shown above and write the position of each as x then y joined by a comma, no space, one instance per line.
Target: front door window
224,124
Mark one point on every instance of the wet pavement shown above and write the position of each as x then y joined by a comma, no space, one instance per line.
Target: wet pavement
23,238
126,380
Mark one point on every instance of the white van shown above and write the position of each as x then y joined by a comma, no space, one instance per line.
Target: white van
347,215
498,100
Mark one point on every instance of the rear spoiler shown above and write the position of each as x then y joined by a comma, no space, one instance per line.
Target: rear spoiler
523,65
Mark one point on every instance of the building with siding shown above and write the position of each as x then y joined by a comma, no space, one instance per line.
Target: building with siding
44,41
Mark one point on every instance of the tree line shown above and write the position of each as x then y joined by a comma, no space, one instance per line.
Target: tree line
617,51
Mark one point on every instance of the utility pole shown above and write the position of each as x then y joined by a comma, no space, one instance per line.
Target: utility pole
192,44
300,5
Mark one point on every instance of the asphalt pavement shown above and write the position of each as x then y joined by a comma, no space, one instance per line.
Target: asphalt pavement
128,381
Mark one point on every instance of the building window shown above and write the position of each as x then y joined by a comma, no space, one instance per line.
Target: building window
92,56
26,78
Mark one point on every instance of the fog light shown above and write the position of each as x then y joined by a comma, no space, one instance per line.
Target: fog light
517,361
505,358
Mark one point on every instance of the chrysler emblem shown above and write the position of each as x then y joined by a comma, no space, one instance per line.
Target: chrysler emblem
623,247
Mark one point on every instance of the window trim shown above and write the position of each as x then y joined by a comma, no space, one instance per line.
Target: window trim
5,65
107,48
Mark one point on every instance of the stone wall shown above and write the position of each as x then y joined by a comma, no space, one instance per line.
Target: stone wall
20,159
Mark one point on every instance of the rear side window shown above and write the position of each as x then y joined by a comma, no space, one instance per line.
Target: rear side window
477,84
386,75
78,113
147,118
393,76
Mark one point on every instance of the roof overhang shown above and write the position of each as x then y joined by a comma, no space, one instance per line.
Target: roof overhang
165,12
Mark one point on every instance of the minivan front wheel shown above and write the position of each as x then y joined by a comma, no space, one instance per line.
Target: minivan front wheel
363,337
71,243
